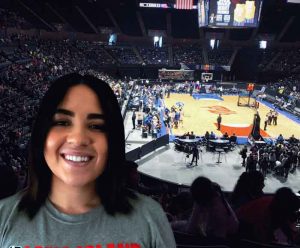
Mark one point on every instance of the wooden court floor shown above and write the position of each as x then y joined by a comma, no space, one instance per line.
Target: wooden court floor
201,116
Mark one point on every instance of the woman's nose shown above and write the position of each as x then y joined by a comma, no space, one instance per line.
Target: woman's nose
78,137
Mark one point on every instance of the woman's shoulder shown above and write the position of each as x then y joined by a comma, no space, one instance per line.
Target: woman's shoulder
11,201
9,206
147,206
149,211
145,202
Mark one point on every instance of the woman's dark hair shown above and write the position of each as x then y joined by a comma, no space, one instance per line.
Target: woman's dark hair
284,204
110,184
283,209
203,190
248,187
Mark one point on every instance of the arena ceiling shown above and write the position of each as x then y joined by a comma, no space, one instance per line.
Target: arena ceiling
279,20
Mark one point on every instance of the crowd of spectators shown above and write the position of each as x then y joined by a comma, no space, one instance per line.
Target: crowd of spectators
3,60
285,93
279,159
95,52
189,54
124,55
266,57
287,85
147,102
288,61
219,56
154,55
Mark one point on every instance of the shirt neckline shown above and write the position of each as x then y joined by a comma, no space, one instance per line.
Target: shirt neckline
72,218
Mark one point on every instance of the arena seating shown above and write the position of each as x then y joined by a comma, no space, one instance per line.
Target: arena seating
154,55
219,56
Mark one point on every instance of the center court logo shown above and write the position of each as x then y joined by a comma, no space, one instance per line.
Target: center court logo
220,110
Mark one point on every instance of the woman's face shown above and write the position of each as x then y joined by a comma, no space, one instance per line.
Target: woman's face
76,147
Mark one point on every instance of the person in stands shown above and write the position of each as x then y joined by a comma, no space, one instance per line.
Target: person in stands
212,216
271,219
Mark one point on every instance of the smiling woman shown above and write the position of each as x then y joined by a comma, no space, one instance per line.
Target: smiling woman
76,147
76,196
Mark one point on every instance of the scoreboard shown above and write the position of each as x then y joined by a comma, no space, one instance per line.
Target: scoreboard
169,4
229,13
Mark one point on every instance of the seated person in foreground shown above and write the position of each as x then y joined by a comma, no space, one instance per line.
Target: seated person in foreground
212,216
271,219
248,187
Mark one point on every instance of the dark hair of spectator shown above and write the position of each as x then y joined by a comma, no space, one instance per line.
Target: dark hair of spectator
284,204
248,187
203,190
283,209
110,184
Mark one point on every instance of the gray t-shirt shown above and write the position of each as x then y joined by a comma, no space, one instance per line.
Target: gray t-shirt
147,226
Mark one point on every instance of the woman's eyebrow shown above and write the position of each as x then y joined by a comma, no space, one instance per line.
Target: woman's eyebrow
65,112
90,116
95,116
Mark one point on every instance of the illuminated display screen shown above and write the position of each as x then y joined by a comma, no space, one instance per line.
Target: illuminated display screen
169,4
229,13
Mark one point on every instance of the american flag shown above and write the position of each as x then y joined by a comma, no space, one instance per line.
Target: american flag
184,4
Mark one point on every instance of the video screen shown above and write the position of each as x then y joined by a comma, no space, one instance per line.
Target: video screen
169,4
229,13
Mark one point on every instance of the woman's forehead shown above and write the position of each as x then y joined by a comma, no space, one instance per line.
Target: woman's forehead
81,98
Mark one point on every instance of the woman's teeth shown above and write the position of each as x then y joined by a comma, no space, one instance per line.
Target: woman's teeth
77,158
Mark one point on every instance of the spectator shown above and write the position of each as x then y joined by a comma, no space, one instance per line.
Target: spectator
248,187
211,216
233,138
280,139
293,140
271,219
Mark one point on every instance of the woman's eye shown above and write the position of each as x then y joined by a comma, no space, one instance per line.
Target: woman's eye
61,123
98,127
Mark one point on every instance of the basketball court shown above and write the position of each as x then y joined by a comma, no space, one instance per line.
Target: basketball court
200,115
